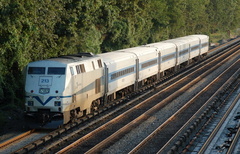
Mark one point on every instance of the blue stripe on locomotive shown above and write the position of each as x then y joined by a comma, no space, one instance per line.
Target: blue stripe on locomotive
48,100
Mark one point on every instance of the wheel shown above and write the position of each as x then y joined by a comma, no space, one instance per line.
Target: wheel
94,106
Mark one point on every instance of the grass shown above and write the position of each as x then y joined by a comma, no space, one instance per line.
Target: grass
217,38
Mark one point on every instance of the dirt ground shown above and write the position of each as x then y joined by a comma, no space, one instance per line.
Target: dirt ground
13,125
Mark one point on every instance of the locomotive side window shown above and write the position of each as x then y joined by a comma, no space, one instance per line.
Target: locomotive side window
56,70
78,69
97,85
82,67
71,70
100,63
36,70
93,65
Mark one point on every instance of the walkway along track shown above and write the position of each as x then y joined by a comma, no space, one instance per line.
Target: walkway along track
106,135
143,107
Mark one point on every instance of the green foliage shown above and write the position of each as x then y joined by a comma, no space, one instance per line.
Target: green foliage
196,13
32,29
2,119
224,15
176,17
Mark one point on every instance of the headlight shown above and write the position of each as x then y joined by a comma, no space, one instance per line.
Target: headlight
30,103
57,103
44,90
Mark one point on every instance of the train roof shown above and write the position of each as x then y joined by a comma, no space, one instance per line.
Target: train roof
202,37
162,45
186,39
68,59
176,41
119,55
116,56
141,50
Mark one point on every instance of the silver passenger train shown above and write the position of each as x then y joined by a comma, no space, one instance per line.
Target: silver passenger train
60,89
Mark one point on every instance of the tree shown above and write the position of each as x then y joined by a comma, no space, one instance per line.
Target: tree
158,10
223,15
196,16
177,18
34,30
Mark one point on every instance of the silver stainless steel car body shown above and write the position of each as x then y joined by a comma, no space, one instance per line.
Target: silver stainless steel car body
60,89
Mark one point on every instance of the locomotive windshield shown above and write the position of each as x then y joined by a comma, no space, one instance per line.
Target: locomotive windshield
36,70
56,70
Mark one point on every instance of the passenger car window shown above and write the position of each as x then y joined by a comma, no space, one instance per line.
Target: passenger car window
56,70
36,70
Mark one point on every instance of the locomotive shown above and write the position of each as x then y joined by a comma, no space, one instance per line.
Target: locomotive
60,89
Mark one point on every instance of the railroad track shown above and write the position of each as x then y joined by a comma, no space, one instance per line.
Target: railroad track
129,116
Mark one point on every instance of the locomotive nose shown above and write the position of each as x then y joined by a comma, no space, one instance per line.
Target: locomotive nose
38,100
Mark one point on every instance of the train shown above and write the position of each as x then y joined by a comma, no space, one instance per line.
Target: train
60,89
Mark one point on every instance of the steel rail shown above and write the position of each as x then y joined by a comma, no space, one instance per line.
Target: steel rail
234,142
